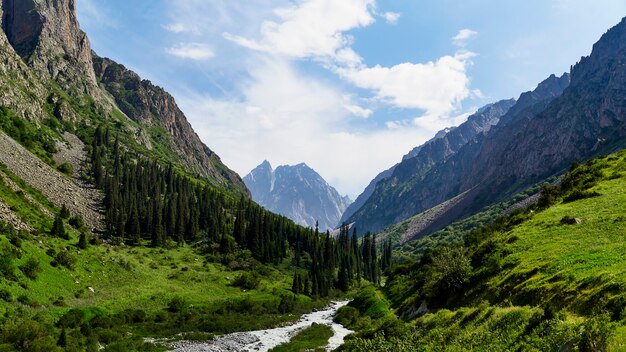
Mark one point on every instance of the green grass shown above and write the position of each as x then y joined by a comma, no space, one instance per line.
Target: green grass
313,338
535,282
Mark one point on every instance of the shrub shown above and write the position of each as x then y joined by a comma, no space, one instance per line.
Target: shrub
74,318
66,168
177,304
578,194
548,196
15,240
64,213
6,296
77,222
596,334
31,268
65,259
247,281
449,271
7,268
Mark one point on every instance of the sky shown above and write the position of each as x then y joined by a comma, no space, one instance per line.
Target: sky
346,86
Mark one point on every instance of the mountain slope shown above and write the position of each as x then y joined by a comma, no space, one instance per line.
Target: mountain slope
548,278
297,192
383,207
452,139
50,70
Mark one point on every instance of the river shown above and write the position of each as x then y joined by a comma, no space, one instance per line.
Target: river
264,340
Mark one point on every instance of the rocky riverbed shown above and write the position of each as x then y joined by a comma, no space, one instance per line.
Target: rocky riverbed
264,340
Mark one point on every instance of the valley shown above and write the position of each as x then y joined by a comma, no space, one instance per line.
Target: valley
121,230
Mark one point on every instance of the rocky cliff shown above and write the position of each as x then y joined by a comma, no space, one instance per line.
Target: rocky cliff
297,192
400,179
154,108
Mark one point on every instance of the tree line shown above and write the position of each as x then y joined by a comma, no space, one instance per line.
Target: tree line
147,202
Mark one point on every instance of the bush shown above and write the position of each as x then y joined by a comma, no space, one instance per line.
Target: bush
6,296
72,319
247,281
596,334
64,213
449,271
66,168
548,196
65,259
31,268
7,268
15,240
176,305
77,222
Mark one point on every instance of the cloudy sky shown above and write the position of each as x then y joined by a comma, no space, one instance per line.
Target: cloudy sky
346,86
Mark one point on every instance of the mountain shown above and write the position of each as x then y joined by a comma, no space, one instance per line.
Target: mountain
49,69
367,192
567,119
419,160
297,192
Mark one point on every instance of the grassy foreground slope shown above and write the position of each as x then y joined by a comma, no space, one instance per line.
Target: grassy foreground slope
550,278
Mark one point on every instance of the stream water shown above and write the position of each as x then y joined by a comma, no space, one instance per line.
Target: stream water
264,340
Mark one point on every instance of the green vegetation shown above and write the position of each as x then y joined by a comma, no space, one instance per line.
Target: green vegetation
38,139
548,278
313,338
179,258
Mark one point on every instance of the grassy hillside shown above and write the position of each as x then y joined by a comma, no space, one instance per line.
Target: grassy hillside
552,277
105,293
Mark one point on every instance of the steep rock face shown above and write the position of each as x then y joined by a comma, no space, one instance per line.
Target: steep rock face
297,192
365,195
380,209
46,34
369,190
22,91
587,119
154,108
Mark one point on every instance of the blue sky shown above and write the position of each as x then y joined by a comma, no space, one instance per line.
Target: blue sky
346,86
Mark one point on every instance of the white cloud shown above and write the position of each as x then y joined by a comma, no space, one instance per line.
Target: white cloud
359,111
463,36
391,17
436,87
178,28
275,111
313,28
193,51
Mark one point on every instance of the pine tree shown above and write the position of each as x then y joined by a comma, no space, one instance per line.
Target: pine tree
82,240
64,213
58,229
62,341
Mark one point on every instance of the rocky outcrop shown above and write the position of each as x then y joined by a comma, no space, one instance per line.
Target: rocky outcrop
46,34
297,192
155,109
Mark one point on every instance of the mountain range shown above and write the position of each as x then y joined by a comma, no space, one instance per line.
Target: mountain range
565,119
297,192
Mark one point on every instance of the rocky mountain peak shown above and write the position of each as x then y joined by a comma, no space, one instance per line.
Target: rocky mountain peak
47,35
297,192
